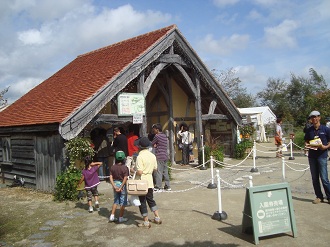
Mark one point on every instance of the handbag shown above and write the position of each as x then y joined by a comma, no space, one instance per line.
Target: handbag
137,187
180,145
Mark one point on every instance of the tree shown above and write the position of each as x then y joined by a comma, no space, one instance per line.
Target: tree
307,94
234,89
295,100
274,96
3,100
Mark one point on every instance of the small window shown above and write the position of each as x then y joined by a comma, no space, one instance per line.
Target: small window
5,148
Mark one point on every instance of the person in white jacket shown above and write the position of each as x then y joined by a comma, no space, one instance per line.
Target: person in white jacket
185,137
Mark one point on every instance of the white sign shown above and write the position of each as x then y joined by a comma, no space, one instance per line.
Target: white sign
137,118
130,104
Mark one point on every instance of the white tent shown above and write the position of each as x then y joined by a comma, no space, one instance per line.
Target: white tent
259,116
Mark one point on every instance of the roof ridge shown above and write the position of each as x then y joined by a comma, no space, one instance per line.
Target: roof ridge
173,26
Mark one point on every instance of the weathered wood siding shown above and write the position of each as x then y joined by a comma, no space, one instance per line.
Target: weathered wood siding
49,160
37,159
22,159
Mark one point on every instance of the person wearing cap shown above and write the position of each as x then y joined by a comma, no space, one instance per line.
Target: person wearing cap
317,139
118,178
160,144
146,164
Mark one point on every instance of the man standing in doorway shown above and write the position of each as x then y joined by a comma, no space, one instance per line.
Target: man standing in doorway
317,139
120,141
160,145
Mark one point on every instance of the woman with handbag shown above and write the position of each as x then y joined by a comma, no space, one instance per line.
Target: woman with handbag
185,137
146,164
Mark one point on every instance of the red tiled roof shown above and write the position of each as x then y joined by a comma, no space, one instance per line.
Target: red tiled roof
57,97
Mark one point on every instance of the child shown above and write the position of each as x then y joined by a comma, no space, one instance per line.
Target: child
91,178
118,177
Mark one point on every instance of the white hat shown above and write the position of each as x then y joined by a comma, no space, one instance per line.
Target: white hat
314,113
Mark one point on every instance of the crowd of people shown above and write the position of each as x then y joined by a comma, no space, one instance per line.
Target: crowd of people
146,157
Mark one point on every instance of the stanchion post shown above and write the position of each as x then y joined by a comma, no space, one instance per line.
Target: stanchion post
291,153
250,181
212,185
254,169
283,169
203,167
220,214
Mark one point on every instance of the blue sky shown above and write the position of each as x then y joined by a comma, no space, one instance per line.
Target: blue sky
260,39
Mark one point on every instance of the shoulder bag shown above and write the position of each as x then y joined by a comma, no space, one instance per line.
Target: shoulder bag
137,187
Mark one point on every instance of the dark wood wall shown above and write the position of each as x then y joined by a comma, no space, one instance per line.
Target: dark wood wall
49,160
22,160
36,158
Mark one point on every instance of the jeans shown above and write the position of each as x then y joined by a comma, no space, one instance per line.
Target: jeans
149,198
319,170
120,198
162,170
104,160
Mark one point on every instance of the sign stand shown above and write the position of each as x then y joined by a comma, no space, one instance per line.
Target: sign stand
268,210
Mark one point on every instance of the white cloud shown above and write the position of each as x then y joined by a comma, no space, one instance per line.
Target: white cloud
281,35
252,79
36,46
111,21
223,46
21,87
266,2
34,37
254,15
224,3
45,10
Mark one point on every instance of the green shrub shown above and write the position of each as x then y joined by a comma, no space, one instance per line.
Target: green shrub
241,148
66,184
216,151
298,140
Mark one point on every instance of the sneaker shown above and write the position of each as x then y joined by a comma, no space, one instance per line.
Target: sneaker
97,206
157,221
317,201
112,219
122,219
144,225
156,190
167,188
90,209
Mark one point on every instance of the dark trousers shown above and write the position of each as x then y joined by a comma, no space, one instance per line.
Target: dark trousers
148,198
185,154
